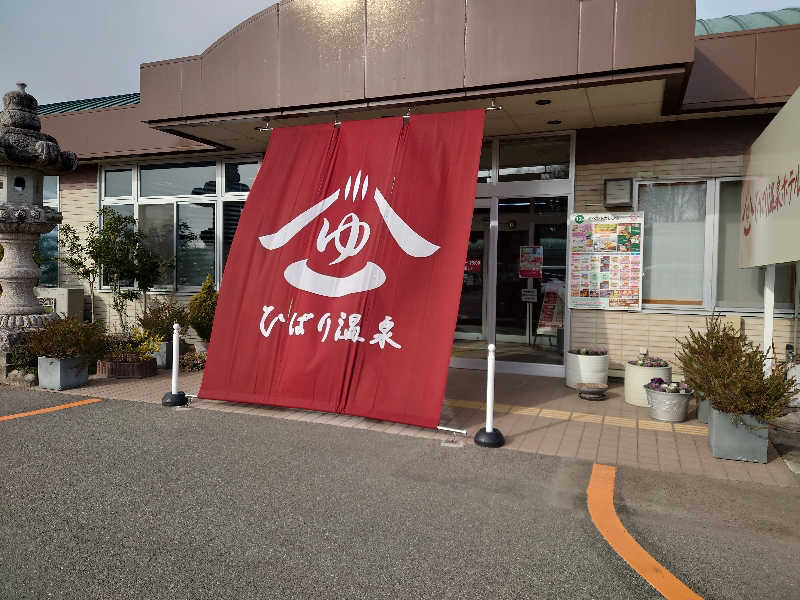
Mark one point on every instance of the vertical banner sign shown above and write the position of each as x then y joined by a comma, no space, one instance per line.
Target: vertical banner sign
342,285
606,261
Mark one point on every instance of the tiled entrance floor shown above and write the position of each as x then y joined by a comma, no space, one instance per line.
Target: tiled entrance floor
535,414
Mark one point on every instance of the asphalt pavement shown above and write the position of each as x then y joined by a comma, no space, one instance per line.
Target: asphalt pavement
128,500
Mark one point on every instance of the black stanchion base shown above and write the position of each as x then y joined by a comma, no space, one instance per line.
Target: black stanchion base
171,399
494,439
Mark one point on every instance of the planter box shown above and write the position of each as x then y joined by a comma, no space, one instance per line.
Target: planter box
637,377
737,441
583,368
127,370
62,373
164,355
703,409
669,407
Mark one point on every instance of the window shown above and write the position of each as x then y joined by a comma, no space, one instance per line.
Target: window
188,212
743,288
231,211
123,210
196,239
485,164
674,242
195,179
691,249
47,248
157,223
118,184
239,177
535,159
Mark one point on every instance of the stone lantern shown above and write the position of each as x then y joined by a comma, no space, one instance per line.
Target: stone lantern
26,156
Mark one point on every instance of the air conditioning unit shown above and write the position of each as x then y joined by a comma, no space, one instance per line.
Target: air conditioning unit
67,301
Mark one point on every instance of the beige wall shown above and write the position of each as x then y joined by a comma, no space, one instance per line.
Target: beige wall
623,333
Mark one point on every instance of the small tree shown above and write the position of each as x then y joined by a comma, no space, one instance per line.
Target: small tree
79,256
201,309
118,252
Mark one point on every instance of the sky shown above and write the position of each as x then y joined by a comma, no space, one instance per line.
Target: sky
74,49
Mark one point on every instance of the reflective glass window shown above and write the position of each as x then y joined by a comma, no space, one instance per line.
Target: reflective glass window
194,179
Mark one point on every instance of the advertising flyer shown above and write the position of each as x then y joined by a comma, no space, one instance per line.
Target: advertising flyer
606,260
531,259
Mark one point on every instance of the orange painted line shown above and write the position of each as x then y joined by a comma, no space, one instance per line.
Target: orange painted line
41,411
601,507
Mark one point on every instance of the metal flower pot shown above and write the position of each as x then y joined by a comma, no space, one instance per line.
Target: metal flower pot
667,406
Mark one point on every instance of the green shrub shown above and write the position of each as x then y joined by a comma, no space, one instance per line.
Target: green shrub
729,370
201,309
68,338
22,358
160,315
193,361
136,346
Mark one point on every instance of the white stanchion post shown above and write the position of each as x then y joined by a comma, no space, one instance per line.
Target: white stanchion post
488,436
176,356
490,390
174,397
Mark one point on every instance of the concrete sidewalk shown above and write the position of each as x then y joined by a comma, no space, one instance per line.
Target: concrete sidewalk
536,414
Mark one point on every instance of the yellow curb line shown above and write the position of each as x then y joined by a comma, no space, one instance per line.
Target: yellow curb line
549,413
600,500
621,422
41,411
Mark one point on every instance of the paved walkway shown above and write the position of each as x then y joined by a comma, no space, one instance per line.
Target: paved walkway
535,414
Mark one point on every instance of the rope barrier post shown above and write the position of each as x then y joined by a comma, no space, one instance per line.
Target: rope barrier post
488,436
174,397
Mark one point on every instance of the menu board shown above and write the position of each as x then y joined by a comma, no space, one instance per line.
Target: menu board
606,260
530,262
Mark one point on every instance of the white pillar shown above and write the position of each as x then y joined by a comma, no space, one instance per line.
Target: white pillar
769,311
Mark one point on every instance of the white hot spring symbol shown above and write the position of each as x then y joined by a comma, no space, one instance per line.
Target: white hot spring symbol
349,238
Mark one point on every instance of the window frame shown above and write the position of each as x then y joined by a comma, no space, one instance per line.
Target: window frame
711,253
217,200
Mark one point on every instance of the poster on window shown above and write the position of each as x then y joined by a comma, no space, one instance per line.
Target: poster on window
606,260
530,262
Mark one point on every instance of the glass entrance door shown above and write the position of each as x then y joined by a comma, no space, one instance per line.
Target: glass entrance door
513,290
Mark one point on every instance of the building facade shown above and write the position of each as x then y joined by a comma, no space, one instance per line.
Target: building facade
590,91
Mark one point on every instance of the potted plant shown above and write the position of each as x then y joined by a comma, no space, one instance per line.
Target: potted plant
157,319
640,372
697,352
586,365
64,349
668,401
130,355
744,400
201,312
193,361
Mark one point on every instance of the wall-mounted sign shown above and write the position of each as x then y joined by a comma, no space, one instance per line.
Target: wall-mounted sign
530,262
606,260
530,295
770,206
619,192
